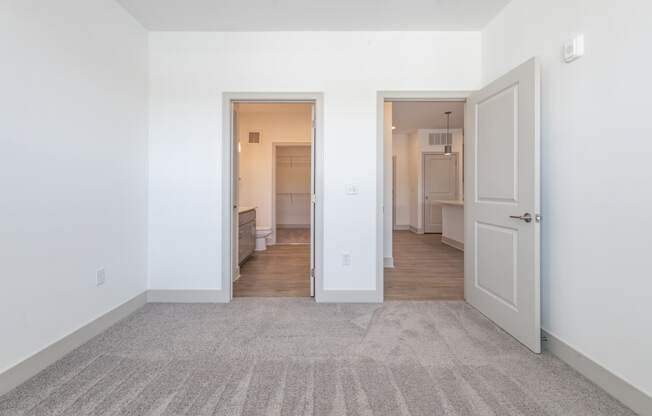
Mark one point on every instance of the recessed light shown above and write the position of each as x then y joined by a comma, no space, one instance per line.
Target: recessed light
393,127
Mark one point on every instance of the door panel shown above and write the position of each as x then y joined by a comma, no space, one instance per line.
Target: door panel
502,264
497,151
440,181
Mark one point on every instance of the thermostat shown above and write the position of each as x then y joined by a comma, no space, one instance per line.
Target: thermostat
574,49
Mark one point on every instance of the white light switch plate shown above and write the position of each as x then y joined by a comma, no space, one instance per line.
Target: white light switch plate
351,189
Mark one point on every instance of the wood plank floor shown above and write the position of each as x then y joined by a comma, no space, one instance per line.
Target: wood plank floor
281,270
424,268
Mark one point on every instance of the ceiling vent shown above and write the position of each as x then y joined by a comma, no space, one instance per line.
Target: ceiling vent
440,139
254,137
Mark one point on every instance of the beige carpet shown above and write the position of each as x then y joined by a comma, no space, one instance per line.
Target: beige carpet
264,356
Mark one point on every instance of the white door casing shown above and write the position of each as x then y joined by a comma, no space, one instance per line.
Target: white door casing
502,259
313,200
235,195
439,184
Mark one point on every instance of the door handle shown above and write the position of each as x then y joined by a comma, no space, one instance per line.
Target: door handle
525,217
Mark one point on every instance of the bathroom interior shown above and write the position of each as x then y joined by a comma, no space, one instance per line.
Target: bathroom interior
274,199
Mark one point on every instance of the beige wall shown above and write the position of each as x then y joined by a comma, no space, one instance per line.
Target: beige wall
278,123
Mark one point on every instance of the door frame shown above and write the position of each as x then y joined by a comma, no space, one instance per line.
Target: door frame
423,183
393,96
275,146
228,236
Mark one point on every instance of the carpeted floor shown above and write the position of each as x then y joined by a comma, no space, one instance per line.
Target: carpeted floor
275,356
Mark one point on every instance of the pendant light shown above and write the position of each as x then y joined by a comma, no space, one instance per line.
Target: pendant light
448,148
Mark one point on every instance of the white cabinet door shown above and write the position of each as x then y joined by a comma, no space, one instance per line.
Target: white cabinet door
501,269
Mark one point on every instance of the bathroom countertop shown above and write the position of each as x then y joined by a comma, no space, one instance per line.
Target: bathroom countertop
245,209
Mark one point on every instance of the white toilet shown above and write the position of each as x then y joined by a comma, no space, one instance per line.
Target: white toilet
261,238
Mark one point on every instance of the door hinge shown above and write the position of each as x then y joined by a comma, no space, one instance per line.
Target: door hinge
313,198
314,124
312,273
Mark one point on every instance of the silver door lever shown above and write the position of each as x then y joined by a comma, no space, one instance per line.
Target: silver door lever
525,217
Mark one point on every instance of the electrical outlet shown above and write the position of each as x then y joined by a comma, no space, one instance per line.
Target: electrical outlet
100,276
346,258
351,189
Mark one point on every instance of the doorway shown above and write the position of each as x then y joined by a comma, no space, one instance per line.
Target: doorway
291,180
502,196
426,139
271,134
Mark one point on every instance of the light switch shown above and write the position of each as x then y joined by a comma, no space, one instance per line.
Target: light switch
574,49
351,189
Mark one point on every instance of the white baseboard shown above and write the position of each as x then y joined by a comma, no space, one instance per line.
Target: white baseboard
388,262
453,243
187,296
416,230
398,227
28,368
349,296
623,391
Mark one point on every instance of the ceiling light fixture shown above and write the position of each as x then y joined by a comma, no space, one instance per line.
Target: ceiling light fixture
393,127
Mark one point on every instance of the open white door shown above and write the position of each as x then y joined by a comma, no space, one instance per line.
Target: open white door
313,202
502,204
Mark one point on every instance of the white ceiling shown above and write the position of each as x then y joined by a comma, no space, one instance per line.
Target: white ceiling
413,115
313,15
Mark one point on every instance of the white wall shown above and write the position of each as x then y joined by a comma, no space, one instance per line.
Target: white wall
400,151
278,125
414,145
189,73
73,168
596,176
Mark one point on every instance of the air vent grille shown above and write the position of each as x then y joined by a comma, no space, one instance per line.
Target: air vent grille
254,137
440,139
